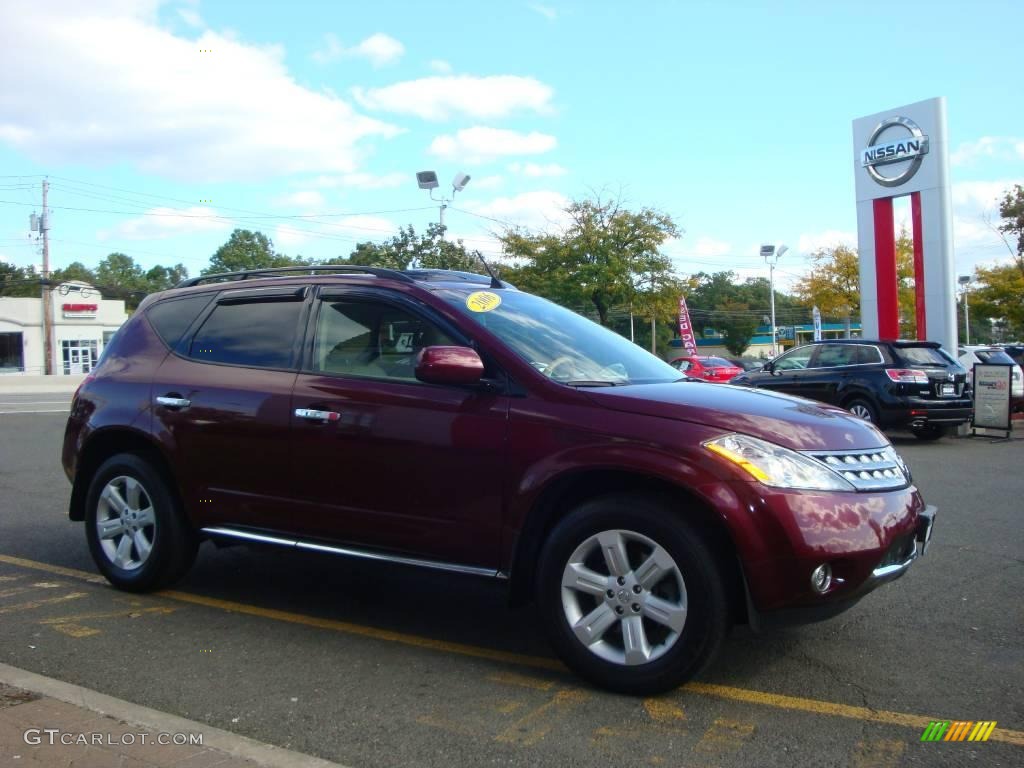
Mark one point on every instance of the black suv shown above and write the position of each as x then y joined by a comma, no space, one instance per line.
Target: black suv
911,384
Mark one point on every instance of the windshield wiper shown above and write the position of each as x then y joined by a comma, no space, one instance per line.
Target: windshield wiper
594,383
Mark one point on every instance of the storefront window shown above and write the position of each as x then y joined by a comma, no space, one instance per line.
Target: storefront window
11,353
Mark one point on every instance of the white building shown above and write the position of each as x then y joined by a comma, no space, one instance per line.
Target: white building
83,323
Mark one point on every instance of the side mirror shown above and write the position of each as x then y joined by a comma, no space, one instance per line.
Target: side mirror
458,366
768,367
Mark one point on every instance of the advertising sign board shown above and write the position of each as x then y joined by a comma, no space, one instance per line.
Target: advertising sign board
992,396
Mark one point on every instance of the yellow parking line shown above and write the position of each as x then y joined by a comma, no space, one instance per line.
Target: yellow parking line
32,604
778,701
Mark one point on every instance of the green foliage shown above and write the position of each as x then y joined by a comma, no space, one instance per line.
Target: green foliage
737,327
246,249
18,282
998,293
407,250
606,255
75,271
1011,209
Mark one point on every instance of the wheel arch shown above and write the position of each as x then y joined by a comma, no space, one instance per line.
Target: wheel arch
572,489
103,444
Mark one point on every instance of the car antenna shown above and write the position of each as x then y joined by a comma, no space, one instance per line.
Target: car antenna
495,282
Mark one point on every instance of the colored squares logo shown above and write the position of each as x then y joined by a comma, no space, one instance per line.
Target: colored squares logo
958,730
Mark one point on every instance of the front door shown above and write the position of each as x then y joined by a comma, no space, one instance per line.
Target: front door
386,461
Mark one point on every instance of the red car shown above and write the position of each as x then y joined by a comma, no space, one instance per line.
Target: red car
446,420
706,367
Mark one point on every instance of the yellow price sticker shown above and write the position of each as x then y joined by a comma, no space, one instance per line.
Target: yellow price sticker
482,301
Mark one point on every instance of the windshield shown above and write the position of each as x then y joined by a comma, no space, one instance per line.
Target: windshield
559,343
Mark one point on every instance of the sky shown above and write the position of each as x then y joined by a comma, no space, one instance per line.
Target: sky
162,126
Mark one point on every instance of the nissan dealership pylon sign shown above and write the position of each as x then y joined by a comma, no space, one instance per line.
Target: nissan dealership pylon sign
904,151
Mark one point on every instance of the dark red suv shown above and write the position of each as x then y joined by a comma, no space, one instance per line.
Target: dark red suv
447,420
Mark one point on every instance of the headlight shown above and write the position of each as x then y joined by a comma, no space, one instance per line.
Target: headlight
777,466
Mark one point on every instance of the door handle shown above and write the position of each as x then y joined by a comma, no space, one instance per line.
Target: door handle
314,415
171,401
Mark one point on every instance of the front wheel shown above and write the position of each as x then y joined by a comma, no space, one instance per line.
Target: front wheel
631,596
137,534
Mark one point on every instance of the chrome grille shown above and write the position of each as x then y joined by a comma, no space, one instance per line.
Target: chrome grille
874,470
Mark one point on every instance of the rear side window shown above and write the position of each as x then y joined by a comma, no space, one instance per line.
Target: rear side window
172,318
832,355
260,333
868,355
994,356
922,356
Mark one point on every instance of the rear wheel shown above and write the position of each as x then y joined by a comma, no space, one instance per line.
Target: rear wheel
862,409
632,597
928,433
136,531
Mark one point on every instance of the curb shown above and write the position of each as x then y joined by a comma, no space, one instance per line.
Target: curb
213,738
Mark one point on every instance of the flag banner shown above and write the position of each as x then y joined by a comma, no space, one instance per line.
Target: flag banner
685,329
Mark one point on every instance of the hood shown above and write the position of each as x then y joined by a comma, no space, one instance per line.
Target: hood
793,422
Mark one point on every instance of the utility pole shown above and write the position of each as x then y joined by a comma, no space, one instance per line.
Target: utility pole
44,225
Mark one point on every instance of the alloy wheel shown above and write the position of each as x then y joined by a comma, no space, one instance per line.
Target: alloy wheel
125,523
624,597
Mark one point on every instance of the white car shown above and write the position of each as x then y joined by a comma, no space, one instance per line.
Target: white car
969,355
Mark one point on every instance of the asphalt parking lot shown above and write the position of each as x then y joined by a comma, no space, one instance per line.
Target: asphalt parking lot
373,665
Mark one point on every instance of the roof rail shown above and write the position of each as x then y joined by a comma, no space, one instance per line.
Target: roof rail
247,274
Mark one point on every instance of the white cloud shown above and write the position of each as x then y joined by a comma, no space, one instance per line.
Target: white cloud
975,206
441,66
191,17
306,198
546,11
536,170
987,146
361,180
709,246
537,210
121,89
379,49
481,144
810,242
488,182
440,98
161,223
343,233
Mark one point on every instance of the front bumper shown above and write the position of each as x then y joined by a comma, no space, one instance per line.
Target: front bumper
892,566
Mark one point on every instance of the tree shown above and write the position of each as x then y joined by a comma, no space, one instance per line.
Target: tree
18,282
833,284
999,294
160,278
246,250
736,324
1011,209
407,250
606,255
75,271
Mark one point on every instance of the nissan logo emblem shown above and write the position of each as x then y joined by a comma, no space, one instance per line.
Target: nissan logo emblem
912,147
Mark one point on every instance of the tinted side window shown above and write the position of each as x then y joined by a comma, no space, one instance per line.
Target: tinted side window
366,338
831,355
868,355
257,333
172,318
794,360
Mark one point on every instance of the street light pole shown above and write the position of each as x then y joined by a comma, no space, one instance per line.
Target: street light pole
965,281
428,180
771,258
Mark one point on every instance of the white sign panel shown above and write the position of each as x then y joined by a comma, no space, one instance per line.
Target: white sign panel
992,396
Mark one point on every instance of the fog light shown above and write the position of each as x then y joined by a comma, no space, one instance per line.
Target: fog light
821,578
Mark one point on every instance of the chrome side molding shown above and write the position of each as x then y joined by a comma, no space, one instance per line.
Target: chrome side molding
437,565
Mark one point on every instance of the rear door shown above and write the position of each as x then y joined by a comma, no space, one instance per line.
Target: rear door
222,400
386,461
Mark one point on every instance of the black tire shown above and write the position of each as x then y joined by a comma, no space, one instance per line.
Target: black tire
929,433
863,409
173,543
708,613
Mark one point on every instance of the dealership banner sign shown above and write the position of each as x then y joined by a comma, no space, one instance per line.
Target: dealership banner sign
992,396
686,329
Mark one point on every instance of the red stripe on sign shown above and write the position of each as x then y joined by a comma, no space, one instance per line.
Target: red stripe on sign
885,270
80,307
919,307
